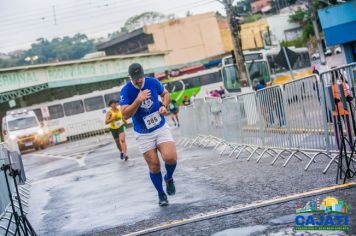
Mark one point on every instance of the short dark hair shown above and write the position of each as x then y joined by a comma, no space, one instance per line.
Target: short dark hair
112,101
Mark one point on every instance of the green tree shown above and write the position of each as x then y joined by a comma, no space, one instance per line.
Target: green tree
242,7
57,49
303,18
118,33
146,18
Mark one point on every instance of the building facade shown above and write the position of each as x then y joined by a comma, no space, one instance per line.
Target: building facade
186,40
269,31
339,26
201,37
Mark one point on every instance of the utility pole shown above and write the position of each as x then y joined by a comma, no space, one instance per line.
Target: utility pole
317,33
236,42
54,14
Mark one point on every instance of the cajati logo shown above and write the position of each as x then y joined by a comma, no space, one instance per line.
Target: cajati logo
327,214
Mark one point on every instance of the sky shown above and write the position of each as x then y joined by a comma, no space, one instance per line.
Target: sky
24,21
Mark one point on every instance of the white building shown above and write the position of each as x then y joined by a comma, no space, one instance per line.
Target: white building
282,29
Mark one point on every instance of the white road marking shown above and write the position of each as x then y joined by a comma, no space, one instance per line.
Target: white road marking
241,208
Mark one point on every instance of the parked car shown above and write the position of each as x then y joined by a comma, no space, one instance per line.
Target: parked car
337,50
328,52
315,56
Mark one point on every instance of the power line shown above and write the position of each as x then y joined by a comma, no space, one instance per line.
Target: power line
113,10
62,14
48,8
83,9
104,25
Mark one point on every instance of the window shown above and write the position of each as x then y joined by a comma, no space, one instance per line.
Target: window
228,61
55,111
275,68
111,96
211,78
191,82
38,113
175,86
22,123
253,56
231,79
94,103
258,70
73,108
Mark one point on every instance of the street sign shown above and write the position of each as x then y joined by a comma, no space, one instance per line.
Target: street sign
12,103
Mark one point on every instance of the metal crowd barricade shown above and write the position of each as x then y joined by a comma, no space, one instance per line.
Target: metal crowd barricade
201,121
347,74
214,107
272,117
231,116
186,119
250,121
304,114
289,121
79,131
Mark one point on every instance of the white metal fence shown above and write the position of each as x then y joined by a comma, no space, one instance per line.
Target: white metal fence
293,119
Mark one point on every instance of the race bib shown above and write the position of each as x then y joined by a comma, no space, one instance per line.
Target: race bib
118,123
152,120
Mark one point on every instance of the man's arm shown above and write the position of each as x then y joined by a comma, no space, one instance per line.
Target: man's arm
166,99
130,110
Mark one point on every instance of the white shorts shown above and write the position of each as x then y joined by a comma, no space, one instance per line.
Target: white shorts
150,141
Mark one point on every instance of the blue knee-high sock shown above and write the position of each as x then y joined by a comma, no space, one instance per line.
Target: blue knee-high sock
170,170
157,181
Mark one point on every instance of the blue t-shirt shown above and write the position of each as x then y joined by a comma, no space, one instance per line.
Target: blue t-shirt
147,118
260,86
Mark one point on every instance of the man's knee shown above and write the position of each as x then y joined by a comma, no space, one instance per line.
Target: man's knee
171,160
154,167
170,157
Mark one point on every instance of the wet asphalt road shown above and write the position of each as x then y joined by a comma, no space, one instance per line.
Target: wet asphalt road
89,191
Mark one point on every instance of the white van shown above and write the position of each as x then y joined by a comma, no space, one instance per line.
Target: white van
23,127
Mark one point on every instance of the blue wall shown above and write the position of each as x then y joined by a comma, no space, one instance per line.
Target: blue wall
339,23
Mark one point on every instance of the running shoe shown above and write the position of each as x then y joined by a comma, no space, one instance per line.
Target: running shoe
122,156
163,200
126,157
171,188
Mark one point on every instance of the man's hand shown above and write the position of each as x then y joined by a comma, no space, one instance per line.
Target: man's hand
143,95
163,110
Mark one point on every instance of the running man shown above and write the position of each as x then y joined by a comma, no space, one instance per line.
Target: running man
139,100
173,108
117,127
